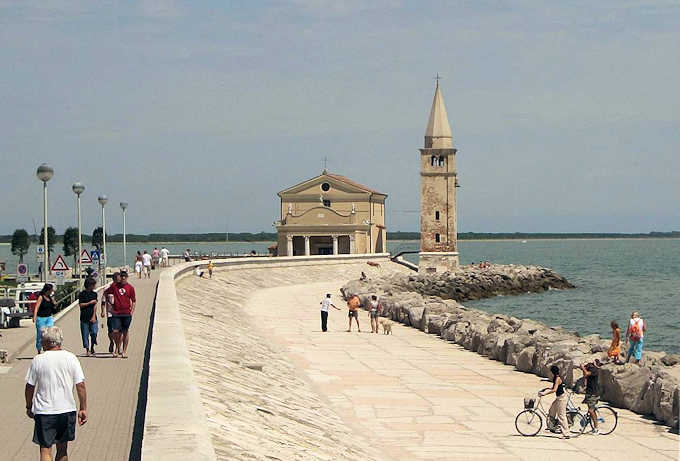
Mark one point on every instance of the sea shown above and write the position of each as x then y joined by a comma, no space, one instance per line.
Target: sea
613,277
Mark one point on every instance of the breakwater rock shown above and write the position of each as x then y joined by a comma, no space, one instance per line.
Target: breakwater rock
470,283
652,388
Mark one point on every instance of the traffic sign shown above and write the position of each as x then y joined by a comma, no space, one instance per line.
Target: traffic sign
61,278
59,274
94,255
22,270
41,249
85,257
59,264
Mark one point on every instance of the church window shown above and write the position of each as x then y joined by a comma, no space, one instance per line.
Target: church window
436,215
441,160
437,238
327,203
325,187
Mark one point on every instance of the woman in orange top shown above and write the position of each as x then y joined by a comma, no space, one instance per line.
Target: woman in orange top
615,347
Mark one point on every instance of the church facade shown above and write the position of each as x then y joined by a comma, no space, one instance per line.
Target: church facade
438,182
331,214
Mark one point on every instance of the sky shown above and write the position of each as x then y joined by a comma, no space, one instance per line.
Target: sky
565,113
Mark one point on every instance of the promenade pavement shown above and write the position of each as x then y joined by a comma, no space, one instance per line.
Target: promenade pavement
113,387
407,396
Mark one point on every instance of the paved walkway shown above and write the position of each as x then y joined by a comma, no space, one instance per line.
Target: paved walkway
112,389
416,397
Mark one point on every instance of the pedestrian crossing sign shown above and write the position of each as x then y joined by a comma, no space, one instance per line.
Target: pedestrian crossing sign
59,264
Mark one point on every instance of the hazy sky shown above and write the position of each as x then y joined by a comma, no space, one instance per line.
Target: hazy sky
566,114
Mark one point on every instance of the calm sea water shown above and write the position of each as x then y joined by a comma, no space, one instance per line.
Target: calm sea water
613,277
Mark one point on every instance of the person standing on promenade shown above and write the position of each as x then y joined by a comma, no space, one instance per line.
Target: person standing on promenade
123,296
558,409
155,258
615,348
138,264
146,260
374,313
635,333
590,371
164,257
49,396
109,312
211,266
353,305
87,300
325,304
187,255
43,312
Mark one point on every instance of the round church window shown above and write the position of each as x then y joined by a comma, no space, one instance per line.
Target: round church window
325,187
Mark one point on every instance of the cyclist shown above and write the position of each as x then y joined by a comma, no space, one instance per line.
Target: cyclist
558,409
590,371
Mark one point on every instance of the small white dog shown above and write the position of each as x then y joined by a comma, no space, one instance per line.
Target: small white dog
386,326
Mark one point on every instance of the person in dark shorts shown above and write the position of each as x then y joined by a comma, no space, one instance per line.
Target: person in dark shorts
107,311
353,305
87,300
49,395
590,371
122,296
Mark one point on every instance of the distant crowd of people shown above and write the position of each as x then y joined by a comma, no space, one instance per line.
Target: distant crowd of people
145,262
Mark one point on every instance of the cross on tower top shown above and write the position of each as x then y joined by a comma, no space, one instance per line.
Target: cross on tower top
325,165
437,78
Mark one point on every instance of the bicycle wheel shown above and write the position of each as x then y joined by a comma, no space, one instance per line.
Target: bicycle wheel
528,423
577,423
607,419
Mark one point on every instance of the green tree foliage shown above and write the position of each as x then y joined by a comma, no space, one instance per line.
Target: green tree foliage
98,237
71,243
20,243
51,237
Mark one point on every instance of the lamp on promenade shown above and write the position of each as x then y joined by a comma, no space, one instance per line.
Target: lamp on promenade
102,201
78,189
45,173
123,206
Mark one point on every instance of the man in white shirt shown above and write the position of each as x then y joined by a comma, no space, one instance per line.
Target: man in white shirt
164,256
325,304
49,395
146,260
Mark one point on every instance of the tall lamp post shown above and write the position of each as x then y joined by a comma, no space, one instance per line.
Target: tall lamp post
123,206
78,189
45,173
102,201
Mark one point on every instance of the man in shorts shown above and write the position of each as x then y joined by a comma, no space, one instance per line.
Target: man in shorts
123,296
353,304
49,395
109,312
146,261
590,371
164,257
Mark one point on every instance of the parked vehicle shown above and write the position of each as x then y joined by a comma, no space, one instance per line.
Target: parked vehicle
17,303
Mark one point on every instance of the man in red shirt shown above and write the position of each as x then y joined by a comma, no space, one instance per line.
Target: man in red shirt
121,295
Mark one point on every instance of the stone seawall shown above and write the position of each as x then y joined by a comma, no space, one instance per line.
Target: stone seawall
652,388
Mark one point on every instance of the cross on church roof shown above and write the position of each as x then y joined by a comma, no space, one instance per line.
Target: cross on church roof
325,165
437,78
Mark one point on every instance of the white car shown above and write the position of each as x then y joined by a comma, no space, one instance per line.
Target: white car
14,303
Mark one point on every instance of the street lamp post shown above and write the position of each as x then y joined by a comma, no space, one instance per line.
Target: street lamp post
102,201
123,206
78,189
45,173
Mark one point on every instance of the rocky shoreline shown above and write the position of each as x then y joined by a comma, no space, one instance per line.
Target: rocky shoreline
431,304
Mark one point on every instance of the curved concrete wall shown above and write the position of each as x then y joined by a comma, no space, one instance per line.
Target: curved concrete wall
175,427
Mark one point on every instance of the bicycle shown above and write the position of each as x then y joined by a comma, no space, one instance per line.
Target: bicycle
529,421
607,418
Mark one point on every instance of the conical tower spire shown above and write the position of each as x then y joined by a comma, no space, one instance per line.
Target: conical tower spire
438,131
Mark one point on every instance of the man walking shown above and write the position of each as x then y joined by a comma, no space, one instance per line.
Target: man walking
353,305
146,261
325,304
122,296
107,311
164,257
49,396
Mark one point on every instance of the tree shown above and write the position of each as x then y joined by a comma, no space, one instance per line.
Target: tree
20,244
51,237
71,243
97,237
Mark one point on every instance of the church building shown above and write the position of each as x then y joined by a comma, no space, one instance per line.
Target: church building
331,214
438,183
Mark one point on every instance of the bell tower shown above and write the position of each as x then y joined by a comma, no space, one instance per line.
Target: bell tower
438,182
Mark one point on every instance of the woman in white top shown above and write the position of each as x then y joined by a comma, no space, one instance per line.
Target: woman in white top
635,333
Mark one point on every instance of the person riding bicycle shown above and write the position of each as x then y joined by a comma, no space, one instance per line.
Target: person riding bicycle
558,409
590,371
